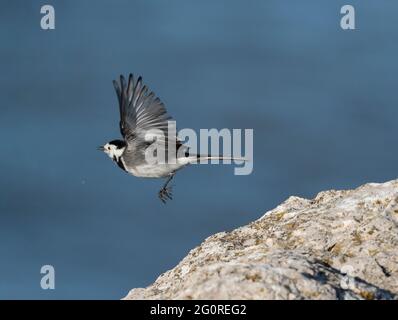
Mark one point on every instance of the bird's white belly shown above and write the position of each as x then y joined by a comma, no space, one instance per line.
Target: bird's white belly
152,171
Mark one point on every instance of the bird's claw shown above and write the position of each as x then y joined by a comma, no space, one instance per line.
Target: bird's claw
165,194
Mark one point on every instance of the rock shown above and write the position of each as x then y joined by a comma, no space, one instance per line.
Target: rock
339,245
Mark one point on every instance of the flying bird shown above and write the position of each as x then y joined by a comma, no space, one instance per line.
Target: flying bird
141,112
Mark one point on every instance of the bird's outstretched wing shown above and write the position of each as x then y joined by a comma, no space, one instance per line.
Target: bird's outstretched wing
140,109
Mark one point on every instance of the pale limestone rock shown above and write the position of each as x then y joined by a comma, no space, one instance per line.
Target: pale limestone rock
339,245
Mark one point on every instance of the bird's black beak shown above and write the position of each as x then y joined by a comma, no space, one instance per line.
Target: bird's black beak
101,148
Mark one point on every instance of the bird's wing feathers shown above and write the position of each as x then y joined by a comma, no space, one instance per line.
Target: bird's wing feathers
140,109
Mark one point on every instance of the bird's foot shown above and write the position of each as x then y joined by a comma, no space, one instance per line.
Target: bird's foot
165,194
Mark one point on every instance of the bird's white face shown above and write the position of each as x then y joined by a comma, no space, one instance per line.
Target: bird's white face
112,151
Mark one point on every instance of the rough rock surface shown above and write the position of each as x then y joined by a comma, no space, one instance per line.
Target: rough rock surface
339,245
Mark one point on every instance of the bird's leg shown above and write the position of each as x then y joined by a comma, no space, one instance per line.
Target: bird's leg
165,193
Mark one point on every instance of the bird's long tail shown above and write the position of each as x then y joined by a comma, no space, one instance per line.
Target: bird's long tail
198,158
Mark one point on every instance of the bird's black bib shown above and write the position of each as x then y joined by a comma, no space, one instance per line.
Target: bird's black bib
119,162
